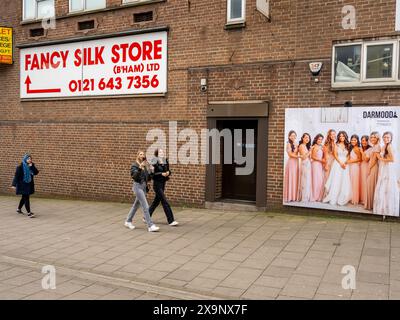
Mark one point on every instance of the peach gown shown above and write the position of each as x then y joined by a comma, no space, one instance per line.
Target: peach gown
305,185
291,181
329,162
363,179
355,178
372,179
318,178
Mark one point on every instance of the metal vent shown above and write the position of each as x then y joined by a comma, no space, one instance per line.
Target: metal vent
86,25
143,16
37,32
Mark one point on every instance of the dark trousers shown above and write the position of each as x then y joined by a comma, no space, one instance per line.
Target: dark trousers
159,188
25,201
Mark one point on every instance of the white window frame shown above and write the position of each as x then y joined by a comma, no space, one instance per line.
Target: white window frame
133,1
236,20
364,82
346,84
394,61
84,6
36,11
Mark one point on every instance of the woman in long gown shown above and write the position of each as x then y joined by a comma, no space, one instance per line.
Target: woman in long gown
329,147
317,169
305,169
291,181
338,186
373,168
354,166
386,199
364,168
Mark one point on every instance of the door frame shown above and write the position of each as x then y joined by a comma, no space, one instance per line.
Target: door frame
236,111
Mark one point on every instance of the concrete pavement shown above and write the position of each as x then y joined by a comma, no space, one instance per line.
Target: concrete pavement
211,255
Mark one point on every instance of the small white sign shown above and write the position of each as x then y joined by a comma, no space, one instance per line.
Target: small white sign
127,65
315,68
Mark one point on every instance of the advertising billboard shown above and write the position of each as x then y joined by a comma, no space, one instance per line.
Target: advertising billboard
345,159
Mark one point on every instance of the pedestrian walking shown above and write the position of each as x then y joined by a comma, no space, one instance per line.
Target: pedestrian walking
140,173
24,184
161,174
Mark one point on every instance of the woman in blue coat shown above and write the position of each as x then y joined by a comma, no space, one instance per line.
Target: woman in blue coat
24,184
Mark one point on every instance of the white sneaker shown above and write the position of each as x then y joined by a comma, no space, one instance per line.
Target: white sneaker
154,228
129,225
174,223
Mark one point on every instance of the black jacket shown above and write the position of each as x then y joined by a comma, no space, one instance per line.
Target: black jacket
160,168
22,187
139,175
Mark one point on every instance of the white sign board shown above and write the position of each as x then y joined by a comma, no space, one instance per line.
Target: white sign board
127,65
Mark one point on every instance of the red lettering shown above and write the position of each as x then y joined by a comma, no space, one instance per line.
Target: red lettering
27,61
44,60
87,57
115,54
136,51
138,54
124,47
99,55
147,49
64,57
78,59
157,49
54,64
35,63
5,31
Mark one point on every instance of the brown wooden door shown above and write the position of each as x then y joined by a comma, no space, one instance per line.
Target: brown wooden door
239,187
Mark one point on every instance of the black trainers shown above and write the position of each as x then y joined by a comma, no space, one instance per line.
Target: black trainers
19,211
31,215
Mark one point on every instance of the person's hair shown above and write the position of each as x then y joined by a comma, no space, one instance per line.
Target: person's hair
329,142
290,141
386,147
346,139
354,136
137,155
366,139
377,135
317,138
308,145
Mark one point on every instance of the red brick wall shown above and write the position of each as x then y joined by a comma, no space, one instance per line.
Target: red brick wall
84,147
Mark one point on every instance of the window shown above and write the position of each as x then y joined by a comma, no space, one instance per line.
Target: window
348,63
236,11
37,9
368,63
86,5
379,63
